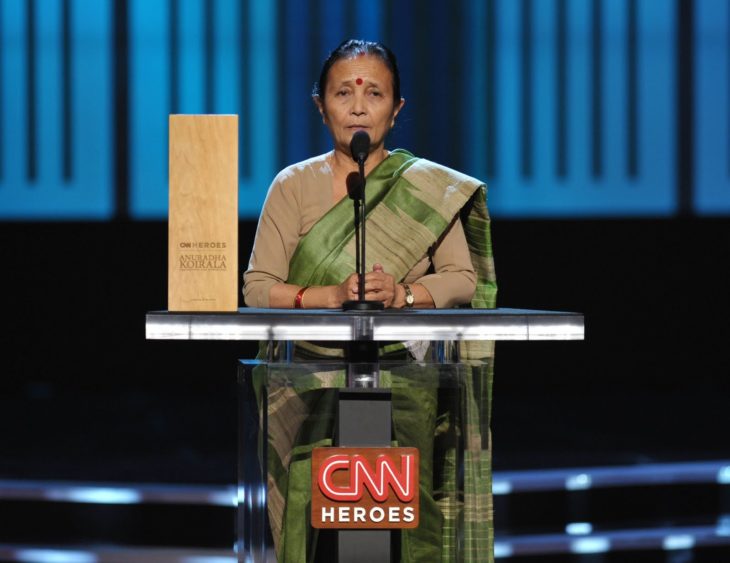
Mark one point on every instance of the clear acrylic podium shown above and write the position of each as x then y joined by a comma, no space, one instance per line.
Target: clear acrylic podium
439,404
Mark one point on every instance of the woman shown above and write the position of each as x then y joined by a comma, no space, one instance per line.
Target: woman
421,249
428,238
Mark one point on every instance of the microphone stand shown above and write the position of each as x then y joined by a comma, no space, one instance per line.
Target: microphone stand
361,304
355,192
361,267
356,207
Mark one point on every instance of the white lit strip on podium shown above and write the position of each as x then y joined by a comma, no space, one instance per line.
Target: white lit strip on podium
327,324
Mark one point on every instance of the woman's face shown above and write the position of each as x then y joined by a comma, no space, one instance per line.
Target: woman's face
359,96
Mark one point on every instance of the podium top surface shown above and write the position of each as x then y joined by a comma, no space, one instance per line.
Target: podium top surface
388,325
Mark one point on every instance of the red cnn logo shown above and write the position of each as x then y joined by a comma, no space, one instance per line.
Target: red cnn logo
386,474
365,488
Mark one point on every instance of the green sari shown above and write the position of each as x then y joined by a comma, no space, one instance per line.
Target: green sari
411,203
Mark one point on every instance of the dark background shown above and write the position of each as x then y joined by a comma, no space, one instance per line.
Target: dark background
86,396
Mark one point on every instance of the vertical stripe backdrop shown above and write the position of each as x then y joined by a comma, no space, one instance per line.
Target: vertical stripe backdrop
567,108
56,114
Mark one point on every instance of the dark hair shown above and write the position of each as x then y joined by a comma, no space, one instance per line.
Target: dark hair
352,48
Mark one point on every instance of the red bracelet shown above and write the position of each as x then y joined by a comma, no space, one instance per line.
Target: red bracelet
298,298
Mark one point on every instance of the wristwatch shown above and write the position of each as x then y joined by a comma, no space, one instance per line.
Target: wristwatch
410,300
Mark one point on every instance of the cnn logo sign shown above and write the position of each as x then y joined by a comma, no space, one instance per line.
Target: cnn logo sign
365,488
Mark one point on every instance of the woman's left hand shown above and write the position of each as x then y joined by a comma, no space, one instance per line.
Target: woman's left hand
380,286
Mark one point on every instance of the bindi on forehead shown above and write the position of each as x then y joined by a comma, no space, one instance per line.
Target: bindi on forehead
358,81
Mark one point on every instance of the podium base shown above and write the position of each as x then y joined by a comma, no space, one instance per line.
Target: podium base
357,305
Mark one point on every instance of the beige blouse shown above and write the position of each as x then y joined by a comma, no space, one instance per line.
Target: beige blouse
298,197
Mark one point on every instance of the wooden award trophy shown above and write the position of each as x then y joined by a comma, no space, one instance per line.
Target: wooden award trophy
203,215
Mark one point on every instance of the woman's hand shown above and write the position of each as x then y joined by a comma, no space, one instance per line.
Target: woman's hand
380,286
346,291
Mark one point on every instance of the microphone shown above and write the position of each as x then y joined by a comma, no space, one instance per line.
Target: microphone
354,187
360,146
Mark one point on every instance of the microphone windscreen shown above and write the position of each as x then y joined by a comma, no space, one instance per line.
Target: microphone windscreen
360,145
354,189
